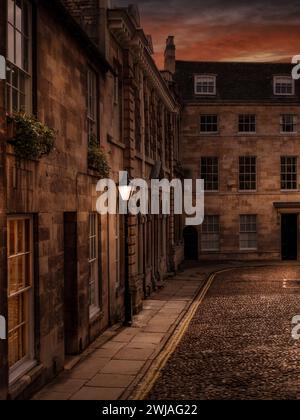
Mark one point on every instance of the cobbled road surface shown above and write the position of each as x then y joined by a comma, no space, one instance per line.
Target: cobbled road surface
239,344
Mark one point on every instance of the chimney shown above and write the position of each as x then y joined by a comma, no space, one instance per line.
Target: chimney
170,55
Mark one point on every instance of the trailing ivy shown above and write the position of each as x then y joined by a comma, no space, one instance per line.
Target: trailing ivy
31,138
97,159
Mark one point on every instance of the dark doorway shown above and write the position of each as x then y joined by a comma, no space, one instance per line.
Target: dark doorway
190,235
289,237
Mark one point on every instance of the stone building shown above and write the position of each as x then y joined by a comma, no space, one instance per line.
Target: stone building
240,133
85,70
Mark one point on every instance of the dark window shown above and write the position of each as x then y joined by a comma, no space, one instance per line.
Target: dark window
288,123
247,170
247,123
289,172
209,123
210,173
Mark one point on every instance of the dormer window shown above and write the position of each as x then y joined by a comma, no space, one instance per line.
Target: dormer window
205,85
284,86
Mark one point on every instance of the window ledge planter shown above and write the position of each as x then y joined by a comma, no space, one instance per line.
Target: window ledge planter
31,139
97,159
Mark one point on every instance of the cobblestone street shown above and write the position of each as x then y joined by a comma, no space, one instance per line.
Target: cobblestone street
239,345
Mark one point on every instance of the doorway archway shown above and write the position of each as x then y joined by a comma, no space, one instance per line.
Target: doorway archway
190,235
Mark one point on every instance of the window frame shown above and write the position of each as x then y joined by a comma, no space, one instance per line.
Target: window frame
247,123
92,98
22,366
282,77
245,174
211,77
208,133
287,173
212,233
210,174
248,232
12,66
93,239
294,124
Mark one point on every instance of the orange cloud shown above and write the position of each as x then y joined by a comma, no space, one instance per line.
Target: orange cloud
240,42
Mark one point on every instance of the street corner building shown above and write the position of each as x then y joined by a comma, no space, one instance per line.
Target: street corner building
85,71
240,134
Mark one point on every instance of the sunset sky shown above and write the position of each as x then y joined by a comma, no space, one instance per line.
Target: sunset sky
219,30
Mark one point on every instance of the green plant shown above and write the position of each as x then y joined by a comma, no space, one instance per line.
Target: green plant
31,138
97,159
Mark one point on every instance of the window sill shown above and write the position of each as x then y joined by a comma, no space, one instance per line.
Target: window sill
209,133
32,372
21,370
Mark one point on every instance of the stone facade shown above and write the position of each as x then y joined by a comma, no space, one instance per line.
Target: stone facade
136,123
241,89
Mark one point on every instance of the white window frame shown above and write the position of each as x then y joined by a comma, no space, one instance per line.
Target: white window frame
210,234
248,230
23,86
245,174
207,133
22,366
206,79
286,173
283,80
245,123
284,124
117,251
92,103
205,175
94,264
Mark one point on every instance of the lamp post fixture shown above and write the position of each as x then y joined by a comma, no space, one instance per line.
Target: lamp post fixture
125,193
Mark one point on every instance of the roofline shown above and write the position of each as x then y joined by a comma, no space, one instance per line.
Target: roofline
78,33
236,62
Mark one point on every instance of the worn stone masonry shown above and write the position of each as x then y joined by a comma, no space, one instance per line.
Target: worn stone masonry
77,258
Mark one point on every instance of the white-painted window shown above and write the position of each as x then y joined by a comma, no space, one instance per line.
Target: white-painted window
289,172
288,123
20,295
19,62
210,236
284,85
247,123
91,103
205,85
93,263
248,232
209,124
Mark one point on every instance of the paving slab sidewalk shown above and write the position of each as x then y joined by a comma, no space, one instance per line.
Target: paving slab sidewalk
116,362
113,366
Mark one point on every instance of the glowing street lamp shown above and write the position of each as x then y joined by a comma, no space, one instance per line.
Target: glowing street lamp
126,190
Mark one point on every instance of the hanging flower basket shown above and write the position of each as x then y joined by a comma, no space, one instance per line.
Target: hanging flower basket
97,160
30,138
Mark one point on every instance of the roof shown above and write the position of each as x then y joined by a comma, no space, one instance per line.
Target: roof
64,16
235,81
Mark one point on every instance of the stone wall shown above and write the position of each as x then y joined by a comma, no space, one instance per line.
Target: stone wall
268,145
3,268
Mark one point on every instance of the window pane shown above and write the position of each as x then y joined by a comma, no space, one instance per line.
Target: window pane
10,44
18,21
19,282
10,11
